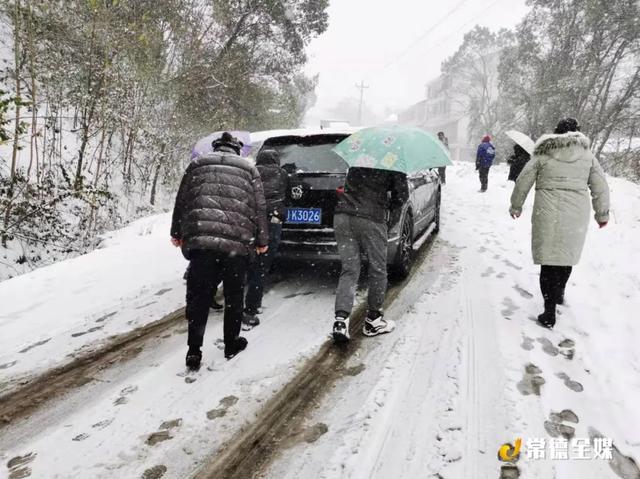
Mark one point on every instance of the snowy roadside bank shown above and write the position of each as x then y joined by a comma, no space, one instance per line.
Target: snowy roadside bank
51,314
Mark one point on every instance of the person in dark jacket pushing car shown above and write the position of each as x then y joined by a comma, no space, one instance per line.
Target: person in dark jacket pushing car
218,219
274,181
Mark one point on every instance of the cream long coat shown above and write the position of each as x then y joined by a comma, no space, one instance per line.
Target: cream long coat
564,169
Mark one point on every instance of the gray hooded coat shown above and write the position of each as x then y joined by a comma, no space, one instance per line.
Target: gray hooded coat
563,168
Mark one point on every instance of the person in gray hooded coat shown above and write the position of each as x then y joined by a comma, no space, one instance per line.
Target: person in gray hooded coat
563,168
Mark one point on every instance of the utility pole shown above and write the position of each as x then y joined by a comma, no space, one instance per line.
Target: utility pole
362,87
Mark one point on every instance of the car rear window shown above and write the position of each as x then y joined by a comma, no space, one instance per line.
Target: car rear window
308,154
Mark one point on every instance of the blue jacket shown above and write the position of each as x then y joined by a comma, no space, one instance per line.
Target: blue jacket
485,156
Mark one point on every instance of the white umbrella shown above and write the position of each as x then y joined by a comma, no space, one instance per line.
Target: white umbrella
521,139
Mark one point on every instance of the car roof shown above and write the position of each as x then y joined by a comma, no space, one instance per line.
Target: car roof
261,136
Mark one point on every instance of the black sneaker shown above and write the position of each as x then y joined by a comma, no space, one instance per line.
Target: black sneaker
194,357
237,345
249,321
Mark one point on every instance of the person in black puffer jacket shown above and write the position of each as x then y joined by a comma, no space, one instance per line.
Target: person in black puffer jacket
275,181
219,218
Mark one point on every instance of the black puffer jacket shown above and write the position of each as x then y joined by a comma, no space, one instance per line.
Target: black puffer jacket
371,193
220,206
274,180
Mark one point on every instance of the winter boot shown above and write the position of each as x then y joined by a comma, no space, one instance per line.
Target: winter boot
341,329
193,359
249,321
548,318
237,345
376,324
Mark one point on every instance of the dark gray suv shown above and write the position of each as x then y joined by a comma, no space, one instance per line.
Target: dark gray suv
315,175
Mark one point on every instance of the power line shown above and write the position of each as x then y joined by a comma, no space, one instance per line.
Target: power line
425,34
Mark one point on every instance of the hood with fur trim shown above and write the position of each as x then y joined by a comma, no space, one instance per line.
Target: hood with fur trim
565,147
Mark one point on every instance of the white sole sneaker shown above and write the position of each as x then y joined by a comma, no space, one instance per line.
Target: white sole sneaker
341,331
379,326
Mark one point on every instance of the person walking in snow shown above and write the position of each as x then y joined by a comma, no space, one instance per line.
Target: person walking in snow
360,225
563,168
517,161
484,159
442,170
274,181
218,219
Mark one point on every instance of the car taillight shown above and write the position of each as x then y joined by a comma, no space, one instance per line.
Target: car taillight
340,190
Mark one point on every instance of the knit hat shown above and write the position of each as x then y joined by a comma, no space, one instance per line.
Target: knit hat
486,139
227,139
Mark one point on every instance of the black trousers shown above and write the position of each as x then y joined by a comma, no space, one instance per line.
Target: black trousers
259,270
484,177
206,270
553,280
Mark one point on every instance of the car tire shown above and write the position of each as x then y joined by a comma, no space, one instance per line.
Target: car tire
401,266
436,217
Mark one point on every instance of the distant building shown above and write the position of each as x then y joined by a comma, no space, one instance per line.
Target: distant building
334,124
444,109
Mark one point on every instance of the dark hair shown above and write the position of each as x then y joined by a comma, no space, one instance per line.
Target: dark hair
441,133
566,125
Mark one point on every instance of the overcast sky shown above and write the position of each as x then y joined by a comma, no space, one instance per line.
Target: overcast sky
395,46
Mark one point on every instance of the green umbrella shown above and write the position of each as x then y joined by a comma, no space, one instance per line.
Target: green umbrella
394,148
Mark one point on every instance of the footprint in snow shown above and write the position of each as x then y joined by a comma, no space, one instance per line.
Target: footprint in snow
509,471
90,330
163,432
531,380
163,291
225,404
625,467
35,345
102,319
567,348
19,466
555,427
8,365
571,384
146,305
354,370
488,272
102,424
510,308
511,265
548,347
123,395
155,472
81,437
527,343
523,292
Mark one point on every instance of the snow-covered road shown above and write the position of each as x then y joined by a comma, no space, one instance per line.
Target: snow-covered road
469,370
466,370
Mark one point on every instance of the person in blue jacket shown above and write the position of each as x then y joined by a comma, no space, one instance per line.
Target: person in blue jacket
484,159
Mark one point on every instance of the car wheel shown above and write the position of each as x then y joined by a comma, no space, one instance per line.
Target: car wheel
404,257
436,217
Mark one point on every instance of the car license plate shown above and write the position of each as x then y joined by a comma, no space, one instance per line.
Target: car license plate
310,216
